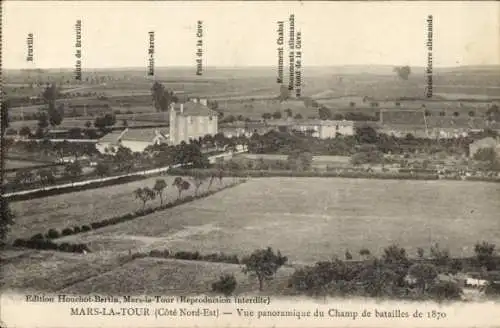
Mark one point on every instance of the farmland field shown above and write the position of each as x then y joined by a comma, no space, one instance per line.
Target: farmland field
20,164
83,207
83,274
311,219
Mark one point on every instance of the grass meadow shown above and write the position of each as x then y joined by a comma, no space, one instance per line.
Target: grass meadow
84,207
312,219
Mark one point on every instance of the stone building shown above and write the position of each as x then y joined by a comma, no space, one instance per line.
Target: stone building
191,120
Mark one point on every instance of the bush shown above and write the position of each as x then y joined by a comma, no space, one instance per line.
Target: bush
156,253
64,247
86,228
445,290
492,289
19,243
38,236
485,253
67,232
187,255
53,234
77,229
225,285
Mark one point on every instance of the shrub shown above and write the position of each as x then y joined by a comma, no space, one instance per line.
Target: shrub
64,247
395,255
187,255
485,253
445,290
157,253
225,285
19,243
53,234
77,229
38,236
86,228
456,266
441,257
67,232
492,289
424,273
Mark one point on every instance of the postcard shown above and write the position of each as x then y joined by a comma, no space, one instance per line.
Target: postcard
250,164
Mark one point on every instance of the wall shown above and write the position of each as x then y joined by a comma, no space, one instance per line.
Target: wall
191,127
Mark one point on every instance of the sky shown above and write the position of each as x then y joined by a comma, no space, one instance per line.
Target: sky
238,34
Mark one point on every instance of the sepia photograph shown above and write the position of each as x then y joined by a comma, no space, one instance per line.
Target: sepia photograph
250,164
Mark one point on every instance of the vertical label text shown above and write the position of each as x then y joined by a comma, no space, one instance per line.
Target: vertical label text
78,50
199,48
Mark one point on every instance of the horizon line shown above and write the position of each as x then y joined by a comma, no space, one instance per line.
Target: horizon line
247,67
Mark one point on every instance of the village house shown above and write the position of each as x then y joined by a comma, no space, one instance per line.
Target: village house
325,129
191,120
135,139
188,121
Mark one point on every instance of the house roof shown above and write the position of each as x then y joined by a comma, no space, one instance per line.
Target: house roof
194,109
144,135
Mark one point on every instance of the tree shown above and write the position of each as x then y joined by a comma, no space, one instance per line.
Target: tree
56,115
73,169
88,124
267,116
124,159
420,252
102,169
198,177
6,218
324,113
24,176
486,154
378,280
299,160
298,116
25,131
288,112
441,256
277,115
50,94
348,255
75,133
159,187
144,194
181,185
43,120
366,134
225,285
403,72
46,176
364,252
5,114
445,290
485,255
424,273
263,263
493,113
395,255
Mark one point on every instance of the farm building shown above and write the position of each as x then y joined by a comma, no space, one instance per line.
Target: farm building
325,129
488,142
191,120
135,139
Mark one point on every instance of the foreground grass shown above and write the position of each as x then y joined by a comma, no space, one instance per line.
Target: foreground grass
84,207
172,277
323,217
